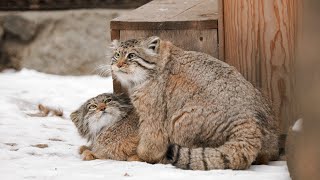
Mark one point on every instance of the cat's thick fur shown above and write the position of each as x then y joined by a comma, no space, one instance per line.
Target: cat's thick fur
110,124
196,111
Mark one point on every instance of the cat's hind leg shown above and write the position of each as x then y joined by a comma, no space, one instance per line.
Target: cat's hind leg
238,152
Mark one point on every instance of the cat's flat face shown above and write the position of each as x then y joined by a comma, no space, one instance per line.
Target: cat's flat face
135,60
99,112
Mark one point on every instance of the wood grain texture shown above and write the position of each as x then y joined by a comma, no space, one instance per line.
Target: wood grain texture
191,25
260,41
168,14
221,30
197,40
115,34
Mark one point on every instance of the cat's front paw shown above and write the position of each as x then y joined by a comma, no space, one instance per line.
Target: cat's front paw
83,148
87,155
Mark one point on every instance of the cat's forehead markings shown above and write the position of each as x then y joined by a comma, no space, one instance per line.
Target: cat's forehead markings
125,47
129,43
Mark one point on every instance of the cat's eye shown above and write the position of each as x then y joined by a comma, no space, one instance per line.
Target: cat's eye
131,55
117,55
92,106
107,100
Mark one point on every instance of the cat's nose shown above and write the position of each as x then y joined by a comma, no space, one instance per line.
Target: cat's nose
101,106
120,64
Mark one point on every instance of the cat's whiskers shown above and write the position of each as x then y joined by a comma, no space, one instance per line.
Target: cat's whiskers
103,70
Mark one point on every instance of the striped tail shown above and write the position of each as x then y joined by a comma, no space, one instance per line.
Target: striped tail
228,156
243,146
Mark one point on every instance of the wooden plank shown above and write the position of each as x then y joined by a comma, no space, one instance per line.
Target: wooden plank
260,43
221,31
168,14
168,25
171,20
117,89
158,10
198,40
168,10
203,11
115,34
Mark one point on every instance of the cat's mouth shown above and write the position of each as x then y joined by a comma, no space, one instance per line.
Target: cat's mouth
122,70
106,113
119,70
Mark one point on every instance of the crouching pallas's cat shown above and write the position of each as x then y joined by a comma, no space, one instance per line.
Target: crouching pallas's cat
110,124
195,111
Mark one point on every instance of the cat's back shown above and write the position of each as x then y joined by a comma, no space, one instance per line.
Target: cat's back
211,84
204,74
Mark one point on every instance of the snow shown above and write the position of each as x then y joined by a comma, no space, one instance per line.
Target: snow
297,127
20,92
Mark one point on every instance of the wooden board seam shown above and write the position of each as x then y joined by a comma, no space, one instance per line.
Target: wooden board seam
165,25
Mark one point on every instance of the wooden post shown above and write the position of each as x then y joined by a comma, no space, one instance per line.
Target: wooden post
221,30
260,41
304,152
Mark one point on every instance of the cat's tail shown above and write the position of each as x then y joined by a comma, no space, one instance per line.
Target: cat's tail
237,153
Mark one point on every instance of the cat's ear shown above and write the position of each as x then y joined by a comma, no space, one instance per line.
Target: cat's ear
153,44
114,44
75,116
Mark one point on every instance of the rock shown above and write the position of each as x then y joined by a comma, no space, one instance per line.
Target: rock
4,59
73,42
20,27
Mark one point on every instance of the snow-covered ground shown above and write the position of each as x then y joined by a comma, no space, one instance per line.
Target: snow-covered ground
20,92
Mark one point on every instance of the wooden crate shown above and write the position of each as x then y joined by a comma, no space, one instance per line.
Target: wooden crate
192,25
256,37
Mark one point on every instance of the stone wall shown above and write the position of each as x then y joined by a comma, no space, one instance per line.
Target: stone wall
73,42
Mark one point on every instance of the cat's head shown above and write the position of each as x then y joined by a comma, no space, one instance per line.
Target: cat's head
99,112
136,60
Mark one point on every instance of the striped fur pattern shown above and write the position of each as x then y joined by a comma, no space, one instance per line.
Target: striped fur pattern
195,111
110,125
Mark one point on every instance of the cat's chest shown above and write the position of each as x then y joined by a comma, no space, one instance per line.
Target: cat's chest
96,125
148,97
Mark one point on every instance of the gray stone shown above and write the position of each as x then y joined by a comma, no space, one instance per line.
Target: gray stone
71,42
20,27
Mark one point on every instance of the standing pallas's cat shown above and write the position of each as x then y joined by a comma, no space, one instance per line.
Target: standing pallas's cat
110,124
201,108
